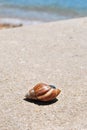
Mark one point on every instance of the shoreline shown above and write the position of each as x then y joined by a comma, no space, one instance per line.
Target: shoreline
14,22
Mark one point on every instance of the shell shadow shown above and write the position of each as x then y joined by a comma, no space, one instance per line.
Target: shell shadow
41,102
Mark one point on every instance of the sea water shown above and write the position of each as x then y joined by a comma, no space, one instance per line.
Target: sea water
36,11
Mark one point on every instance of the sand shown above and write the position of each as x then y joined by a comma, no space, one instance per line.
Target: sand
53,53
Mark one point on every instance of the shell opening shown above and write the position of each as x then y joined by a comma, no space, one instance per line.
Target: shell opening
52,86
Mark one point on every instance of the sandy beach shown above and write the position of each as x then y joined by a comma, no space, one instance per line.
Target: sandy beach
53,53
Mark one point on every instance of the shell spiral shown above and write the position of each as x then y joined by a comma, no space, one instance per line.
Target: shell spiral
43,92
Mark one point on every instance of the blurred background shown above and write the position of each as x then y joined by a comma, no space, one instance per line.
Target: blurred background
37,11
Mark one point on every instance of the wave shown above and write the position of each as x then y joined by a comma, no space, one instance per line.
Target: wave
40,10
15,10
17,21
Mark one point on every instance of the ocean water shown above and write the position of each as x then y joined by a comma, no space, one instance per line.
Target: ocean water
37,11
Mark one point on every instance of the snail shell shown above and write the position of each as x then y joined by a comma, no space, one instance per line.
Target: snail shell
43,92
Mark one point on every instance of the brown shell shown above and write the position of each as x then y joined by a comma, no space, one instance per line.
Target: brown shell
43,92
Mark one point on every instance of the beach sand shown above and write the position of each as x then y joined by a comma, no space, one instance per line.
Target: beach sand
53,53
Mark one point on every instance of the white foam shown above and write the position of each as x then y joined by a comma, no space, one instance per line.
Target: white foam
18,21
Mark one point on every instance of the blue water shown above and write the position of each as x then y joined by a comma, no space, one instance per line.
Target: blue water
32,11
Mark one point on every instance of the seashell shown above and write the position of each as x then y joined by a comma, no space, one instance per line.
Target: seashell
43,92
